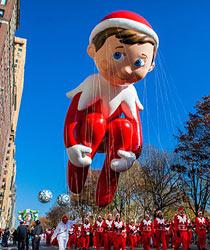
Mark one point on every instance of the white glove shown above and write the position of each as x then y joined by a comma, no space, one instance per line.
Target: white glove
125,162
78,155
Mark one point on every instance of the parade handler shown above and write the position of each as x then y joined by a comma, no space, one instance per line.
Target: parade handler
201,226
181,229
123,46
62,232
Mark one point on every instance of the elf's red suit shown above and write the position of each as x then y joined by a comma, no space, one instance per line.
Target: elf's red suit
98,234
94,124
147,230
79,237
72,237
108,234
119,235
181,231
87,230
160,233
48,234
201,227
132,232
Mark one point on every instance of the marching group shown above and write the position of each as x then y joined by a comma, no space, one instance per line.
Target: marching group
114,232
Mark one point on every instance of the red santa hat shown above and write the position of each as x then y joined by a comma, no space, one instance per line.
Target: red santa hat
126,20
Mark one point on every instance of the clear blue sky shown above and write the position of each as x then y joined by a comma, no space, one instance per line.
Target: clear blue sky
57,34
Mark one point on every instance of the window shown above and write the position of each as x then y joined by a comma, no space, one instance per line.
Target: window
1,13
3,2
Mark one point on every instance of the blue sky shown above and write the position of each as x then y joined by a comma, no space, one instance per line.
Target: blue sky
57,34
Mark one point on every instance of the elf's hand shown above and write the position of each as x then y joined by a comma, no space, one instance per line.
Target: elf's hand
125,162
78,155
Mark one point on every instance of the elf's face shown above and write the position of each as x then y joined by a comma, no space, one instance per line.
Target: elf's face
122,64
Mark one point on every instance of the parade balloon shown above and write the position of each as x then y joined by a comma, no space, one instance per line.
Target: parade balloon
45,196
103,116
63,200
28,215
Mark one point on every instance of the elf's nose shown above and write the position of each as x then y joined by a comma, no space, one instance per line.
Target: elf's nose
127,70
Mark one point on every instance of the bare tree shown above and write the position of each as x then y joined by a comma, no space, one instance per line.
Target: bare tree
162,186
193,149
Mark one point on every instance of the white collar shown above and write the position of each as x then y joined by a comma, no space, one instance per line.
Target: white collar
109,223
132,227
182,219
95,88
118,224
99,224
201,220
147,222
160,221
86,226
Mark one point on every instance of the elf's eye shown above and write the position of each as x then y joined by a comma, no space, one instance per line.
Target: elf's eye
118,56
139,62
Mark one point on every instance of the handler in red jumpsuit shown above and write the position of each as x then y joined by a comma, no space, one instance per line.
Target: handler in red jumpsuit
160,231
108,232
119,239
79,235
132,232
181,229
104,112
147,230
201,226
72,237
48,233
87,230
98,232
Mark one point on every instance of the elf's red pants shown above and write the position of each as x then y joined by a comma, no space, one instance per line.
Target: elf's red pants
108,240
132,241
190,234
146,240
71,241
114,135
182,239
161,238
202,238
119,242
98,240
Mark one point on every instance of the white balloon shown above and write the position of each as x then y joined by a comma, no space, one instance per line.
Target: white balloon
45,196
63,200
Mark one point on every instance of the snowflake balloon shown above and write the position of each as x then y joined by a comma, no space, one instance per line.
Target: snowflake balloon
45,196
63,200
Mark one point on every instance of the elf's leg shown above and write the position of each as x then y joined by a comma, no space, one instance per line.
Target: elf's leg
92,132
120,133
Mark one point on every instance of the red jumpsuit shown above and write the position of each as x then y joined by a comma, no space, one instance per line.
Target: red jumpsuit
147,230
98,125
48,234
132,232
98,234
119,235
87,230
160,233
201,226
72,237
79,237
108,234
181,233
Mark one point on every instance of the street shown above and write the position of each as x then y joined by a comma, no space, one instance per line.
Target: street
44,247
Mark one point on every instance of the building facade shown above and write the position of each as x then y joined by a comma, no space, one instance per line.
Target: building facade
12,60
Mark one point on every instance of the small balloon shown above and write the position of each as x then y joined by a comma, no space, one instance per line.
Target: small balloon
63,200
45,196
